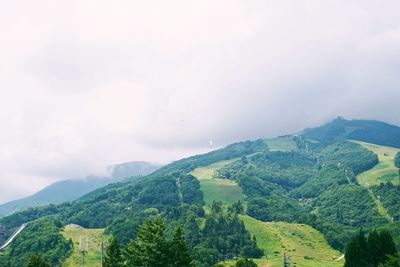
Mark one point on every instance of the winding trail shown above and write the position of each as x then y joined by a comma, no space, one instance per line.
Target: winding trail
13,236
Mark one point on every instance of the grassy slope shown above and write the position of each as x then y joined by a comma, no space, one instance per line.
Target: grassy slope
385,171
217,189
285,143
298,239
95,237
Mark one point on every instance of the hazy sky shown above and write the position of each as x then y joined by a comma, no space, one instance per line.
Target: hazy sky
85,84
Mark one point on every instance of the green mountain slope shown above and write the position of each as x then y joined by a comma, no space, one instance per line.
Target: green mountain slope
383,172
305,245
215,188
369,131
299,182
72,189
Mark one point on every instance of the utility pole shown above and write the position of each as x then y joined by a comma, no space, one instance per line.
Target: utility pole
102,254
83,249
286,260
83,257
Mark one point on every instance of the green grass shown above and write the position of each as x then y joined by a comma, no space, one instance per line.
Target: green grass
95,237
215,189
285,143
299,240
385,171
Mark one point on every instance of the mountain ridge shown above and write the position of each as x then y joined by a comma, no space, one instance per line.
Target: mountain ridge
71,189
314,184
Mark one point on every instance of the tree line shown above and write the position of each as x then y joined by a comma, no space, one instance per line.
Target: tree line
376,249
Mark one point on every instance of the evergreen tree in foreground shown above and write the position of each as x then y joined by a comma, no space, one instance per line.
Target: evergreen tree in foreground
113,255
37,261
361,252
393,261
179,250
357,251
151,248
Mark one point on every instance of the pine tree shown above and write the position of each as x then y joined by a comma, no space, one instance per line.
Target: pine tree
37,261
356,254
374,248
179,250
397,160
150,248
393,261
387,246
113,256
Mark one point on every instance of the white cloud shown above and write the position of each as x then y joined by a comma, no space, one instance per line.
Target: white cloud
84,84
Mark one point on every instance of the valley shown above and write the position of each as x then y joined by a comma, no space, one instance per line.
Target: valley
301,197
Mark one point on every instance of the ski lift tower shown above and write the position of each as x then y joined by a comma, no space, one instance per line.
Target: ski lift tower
83,248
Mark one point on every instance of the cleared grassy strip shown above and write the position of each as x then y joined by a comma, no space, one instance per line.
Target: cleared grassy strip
306,245
215,189
385,171
95,237
285,143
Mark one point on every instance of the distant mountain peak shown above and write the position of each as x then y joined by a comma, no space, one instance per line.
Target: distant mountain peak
371,131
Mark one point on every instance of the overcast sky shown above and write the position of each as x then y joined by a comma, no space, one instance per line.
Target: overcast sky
85,84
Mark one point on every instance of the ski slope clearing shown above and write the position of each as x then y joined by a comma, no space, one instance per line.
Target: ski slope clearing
79,235
305,245
216,189
385,171
284,143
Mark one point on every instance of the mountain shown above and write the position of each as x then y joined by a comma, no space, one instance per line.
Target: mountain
72,189
220,197
369,131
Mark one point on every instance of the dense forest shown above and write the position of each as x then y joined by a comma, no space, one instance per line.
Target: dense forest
313,184
375,250
369,131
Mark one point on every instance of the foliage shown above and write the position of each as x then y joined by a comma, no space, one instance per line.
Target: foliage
362,130
327,177
349,155
389,196
180,255
356,254
245,263
393,261
41,238
232,151
224,236
348,205
397,160
151,247
37,261
113,255
373,251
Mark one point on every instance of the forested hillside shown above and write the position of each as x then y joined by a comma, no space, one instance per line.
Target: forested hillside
369,131
300,181
72,189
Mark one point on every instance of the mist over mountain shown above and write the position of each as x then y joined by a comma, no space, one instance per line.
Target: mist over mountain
72,189
319,178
